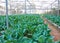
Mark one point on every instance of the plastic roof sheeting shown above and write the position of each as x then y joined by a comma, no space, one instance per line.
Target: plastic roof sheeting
39,4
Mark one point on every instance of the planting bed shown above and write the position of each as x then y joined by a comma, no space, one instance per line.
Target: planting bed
24,29
53,18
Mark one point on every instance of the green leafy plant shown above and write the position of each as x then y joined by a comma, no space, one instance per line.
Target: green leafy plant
54,18
26,29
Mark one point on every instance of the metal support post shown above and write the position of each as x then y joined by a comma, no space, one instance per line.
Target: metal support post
7,13
25,7
58,7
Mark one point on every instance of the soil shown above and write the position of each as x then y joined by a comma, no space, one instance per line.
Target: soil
55,33
54,30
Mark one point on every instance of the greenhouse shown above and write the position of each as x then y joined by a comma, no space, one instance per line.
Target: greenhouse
29,21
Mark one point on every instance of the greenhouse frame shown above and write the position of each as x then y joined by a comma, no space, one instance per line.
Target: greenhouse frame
29,21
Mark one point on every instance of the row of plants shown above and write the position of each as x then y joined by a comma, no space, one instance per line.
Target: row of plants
54,18
2,23
24,29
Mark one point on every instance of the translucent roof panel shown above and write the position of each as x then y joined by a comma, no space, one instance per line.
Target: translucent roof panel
41,5
38,3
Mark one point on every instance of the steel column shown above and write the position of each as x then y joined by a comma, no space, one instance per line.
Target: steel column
7,13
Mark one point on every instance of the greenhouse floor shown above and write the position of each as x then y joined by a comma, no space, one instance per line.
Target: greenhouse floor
54,30
28,29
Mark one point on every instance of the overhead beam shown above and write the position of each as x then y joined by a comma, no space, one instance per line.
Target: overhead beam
51,4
